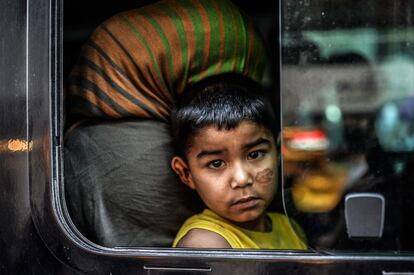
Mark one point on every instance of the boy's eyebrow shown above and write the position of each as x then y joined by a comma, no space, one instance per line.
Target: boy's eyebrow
209,152
246,146
257,142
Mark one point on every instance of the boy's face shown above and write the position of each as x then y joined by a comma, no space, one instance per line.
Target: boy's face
234,171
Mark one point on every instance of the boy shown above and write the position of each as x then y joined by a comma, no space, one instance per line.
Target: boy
224,132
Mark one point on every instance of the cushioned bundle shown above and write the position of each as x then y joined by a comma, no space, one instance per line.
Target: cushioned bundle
119,186
120,189
137,63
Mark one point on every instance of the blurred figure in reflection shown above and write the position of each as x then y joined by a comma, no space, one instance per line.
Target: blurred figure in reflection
314,184
320,178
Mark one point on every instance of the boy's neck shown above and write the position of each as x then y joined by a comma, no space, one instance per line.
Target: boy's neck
260,224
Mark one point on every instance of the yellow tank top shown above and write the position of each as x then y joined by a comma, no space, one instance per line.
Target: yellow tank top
282,236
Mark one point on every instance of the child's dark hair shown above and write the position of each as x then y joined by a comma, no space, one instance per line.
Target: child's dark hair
222,101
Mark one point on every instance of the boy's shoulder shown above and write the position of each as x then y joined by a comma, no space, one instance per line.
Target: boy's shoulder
205,230
202,238
207,219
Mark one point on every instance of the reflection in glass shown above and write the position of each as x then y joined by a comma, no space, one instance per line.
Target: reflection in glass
347,72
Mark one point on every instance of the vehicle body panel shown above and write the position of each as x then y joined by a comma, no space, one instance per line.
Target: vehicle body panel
37,236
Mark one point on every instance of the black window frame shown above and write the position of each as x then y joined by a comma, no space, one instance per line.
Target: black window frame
50,216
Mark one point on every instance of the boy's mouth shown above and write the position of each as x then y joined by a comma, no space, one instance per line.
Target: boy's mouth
247,201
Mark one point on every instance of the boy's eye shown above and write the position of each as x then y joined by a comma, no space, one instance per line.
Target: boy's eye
255,155
215,164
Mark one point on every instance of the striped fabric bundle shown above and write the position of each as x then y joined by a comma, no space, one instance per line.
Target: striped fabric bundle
139,62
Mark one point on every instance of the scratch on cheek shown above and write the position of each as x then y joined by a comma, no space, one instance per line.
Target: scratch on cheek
264,176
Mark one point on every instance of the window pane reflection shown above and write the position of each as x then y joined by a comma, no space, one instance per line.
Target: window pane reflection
348,112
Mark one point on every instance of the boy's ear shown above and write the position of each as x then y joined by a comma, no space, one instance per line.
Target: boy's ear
181,168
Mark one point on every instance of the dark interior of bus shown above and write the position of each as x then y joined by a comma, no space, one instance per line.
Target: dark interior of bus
338,138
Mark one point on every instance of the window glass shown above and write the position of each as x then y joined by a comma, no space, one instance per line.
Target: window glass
348,130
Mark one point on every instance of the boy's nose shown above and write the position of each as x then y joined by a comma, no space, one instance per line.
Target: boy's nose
241,176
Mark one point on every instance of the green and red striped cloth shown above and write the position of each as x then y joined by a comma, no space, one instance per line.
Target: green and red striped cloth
137,63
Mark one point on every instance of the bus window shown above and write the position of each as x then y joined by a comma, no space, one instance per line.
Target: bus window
119,187
347,84
346,143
